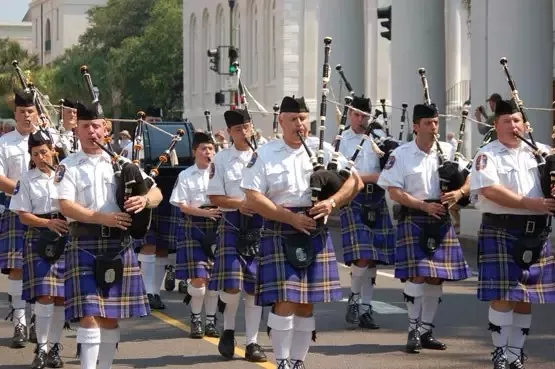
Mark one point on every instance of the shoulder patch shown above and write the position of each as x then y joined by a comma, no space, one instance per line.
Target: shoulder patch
60,172
124,153
390,162
481,162
253,159
212,170
16,189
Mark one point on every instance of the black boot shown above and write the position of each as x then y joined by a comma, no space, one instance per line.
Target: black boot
298,365
367,320
414,345
519,362
499,359
282,364
226,346
169,281
353,310
53,359
32,330
210,327
197,330
255,354
40,357
429,342
155,302
19,339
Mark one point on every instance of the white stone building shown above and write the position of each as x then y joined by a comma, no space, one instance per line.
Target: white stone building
21,32
57,25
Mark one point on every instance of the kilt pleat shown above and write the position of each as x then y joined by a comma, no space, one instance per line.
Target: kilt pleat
363,242
447,263
278,281
165,223
12,239
40,277
232,270
122,300
190,259
500,278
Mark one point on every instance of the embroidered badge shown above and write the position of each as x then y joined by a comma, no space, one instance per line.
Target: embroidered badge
16,189
481,162
124,153
390,162
212,170
60,172
253,160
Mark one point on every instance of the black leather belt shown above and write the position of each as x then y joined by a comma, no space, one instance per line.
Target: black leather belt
77,229
526,223
55,215
371,188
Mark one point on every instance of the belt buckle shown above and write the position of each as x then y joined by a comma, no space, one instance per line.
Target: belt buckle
369,188
104,231
530,226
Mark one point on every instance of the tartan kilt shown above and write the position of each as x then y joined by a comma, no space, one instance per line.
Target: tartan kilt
123,300
278,281
447,263
190,259
12,239
165,222
232,270
500,278
40,277
363,242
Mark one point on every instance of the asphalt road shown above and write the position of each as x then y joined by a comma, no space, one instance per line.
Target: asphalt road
161,340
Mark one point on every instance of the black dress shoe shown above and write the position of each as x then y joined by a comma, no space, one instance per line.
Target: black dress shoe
32,330
367,320
414,345
156,302
429,342
19,339
169,281
352,314
254,353
40,359
53,360
298,365
210,329
226,346
499,359
197,331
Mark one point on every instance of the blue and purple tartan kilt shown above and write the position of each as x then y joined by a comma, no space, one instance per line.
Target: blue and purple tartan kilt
232,270
361,242
40,277
278,281
126,299
12,240
164,227
190,259
447,263
500,278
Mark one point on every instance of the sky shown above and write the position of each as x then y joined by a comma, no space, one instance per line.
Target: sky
13,10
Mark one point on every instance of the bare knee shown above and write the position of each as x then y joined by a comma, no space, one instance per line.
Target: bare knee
148,249
198,282
361,263
501,306
45,300
16,274
434,281
522,308
59,301
232,291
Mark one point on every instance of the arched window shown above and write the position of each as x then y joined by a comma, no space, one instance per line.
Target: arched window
48,37
206,46
193,53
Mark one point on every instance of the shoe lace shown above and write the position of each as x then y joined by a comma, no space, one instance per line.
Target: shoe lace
299,364
498,355
55,349
282,364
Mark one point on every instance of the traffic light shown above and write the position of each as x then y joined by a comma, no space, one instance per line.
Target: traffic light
385,13
233,59
214,55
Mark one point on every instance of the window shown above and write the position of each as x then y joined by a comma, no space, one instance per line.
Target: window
206,45
48,37
192,54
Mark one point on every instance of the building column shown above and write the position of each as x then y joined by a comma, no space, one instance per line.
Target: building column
418,41
522,33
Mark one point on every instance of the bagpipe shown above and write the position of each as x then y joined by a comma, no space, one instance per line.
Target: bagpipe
209,131
450,176
545,160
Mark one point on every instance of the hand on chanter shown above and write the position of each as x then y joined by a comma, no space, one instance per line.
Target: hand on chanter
135,204
321,209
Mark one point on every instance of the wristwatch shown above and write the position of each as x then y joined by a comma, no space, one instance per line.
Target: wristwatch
333,203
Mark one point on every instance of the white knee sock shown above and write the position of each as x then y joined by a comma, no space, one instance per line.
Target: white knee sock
501,321
231,305
211,305
15,289
109,340
367,289
253,315
413,294
89,338
302,334
519,331
281,335
57,326
43,321
147,267
357,273
430,302
197,298
159,273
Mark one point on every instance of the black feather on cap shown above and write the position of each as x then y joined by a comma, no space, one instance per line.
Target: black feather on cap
424,111
38,138
201,138
236,117
503,107
153,112
293,105
362,103
24,99
69,104
88,112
